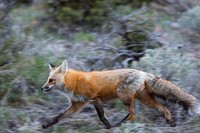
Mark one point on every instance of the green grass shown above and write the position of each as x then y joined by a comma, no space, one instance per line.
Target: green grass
5,113
59,129
84,37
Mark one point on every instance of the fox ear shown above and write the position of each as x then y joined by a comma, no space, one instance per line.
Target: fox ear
64,66
51,66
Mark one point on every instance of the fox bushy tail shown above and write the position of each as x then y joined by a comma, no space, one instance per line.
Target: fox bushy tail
170,91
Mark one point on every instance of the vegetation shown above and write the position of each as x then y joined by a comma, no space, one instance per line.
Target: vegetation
190,28
86,13
159,37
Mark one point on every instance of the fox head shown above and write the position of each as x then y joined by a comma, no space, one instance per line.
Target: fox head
56,76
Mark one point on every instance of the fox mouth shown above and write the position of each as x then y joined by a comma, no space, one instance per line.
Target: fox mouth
46,90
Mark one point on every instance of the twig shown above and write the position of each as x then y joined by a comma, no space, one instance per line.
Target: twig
5,97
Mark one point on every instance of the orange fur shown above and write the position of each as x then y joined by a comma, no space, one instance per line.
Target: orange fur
93,87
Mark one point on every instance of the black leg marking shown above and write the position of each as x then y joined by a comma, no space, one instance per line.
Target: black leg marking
99,108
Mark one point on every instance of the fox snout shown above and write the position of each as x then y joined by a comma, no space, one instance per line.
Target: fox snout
44,88
47,87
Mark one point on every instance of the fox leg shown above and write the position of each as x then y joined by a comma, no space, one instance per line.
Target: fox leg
166,113
145,98
75,106
150,101
127,99
99,108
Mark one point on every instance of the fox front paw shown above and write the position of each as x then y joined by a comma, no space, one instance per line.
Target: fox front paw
45,125
49,122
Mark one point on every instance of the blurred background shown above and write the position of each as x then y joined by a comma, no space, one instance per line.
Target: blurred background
156,36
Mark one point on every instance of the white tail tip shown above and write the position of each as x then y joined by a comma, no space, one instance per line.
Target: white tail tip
195,110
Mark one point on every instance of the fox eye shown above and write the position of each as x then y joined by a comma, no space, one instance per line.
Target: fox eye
50,80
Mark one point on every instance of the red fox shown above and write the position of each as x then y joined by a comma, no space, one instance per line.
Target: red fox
125,84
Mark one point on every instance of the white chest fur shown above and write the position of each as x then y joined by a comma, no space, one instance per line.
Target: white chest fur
75,97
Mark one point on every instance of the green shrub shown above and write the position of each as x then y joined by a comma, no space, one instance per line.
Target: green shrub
90,13
190,22
191,18
84,37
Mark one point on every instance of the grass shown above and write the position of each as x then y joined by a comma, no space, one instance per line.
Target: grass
84,37
59,129
5,113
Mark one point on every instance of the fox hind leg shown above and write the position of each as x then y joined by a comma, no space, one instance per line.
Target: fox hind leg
161,108
144,97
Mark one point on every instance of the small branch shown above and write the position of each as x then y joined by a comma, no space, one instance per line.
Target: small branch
5,97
